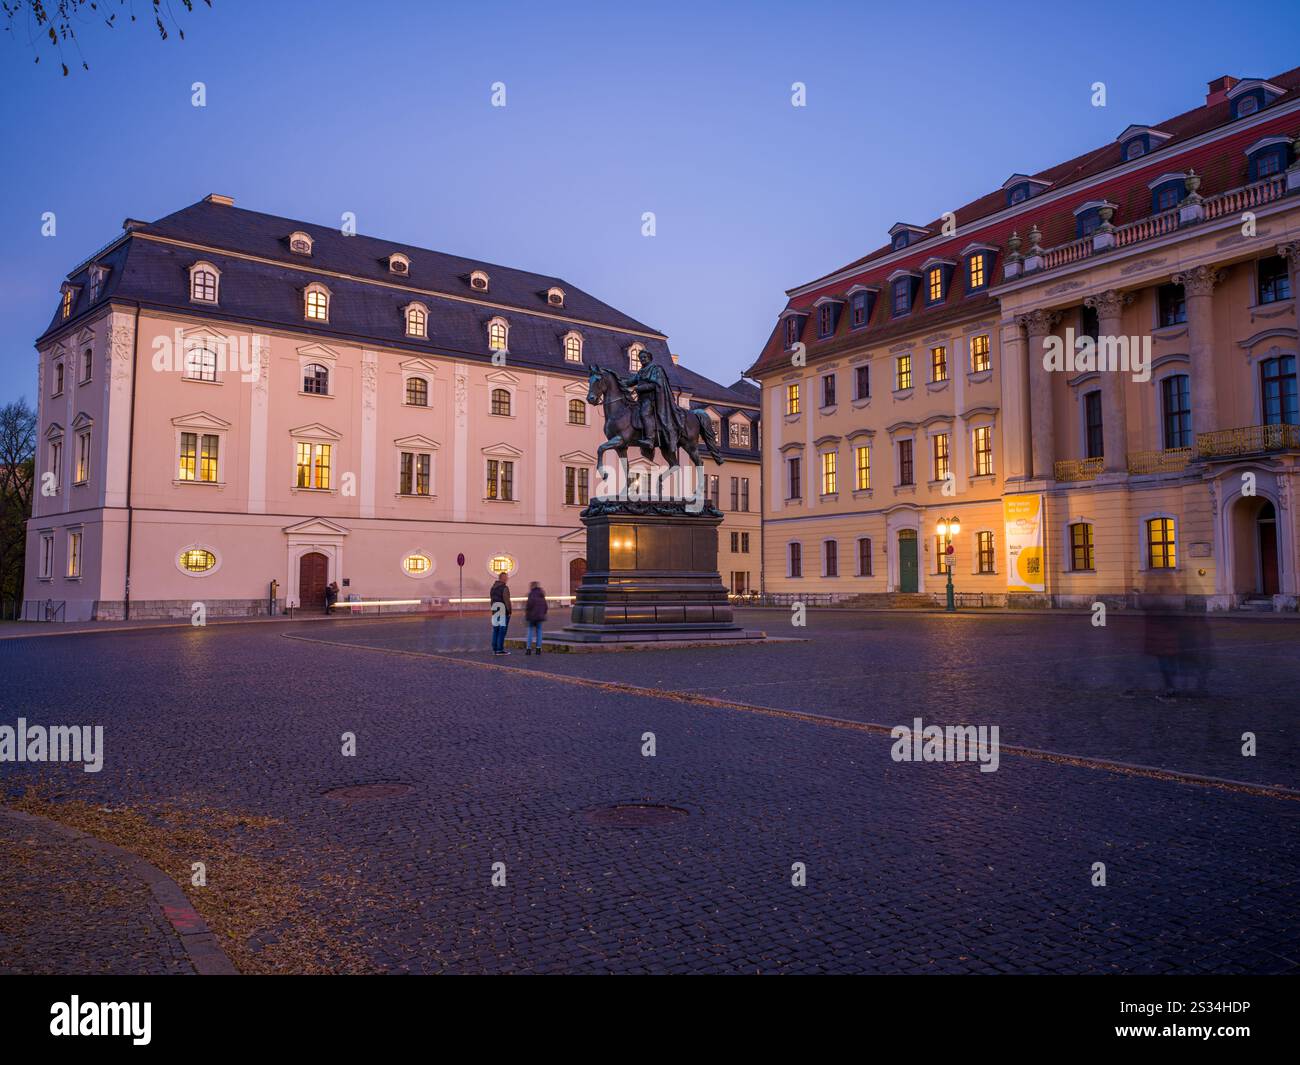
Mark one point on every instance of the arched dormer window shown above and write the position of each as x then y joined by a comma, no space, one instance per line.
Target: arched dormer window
204,278
478,281
498,332
555,296
300,243
1268,157
634,357
417,320
316,305
572,347
399,264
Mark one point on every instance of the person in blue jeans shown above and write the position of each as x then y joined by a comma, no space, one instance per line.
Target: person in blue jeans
534,613
500,600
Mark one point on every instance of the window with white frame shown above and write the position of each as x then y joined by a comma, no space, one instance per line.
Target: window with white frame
200,363
317,303
87,365
500,480
312,464
47,556
738,433
57,382
634,357
316,379
417,392
498,335
416,473
417,321
203,283
74,552
82,474
56,462
200,457
576,484
982,441
572,347
577,412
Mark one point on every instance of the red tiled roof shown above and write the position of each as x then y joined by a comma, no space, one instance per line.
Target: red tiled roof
1222,165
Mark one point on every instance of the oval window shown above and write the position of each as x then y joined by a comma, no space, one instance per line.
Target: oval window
417,565
501,564
197,560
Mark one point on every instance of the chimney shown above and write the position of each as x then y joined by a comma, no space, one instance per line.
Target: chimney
674,358
224,201
1219,90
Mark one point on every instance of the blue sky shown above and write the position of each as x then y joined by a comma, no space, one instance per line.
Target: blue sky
612,110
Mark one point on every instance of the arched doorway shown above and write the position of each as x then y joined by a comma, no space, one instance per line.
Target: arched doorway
313,575
1255,555
577,569
907,562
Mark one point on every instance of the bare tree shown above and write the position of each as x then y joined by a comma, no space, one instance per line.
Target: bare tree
17,480
55,23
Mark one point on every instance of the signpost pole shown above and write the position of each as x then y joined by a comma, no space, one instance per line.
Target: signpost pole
460,603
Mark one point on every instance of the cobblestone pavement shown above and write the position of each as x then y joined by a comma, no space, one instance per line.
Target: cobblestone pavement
1050,682
65,908
910,867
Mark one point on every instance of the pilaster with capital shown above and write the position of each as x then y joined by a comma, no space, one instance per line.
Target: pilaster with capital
1109,306
1198,292
1038,327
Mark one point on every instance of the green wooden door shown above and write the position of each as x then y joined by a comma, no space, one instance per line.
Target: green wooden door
907,561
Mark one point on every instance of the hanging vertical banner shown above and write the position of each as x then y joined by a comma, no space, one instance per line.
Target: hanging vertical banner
1023,517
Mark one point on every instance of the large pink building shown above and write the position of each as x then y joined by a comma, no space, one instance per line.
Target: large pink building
236,407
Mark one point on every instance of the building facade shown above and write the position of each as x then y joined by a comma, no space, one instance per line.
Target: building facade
236,409
1092,369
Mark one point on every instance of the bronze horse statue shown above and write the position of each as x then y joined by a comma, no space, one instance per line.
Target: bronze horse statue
605,387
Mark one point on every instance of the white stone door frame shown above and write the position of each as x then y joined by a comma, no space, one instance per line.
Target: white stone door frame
897,520
1270,484
317,534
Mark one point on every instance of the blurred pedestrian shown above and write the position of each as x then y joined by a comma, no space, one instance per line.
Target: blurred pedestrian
534,613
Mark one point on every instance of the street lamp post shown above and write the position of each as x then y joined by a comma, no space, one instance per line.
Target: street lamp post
949,527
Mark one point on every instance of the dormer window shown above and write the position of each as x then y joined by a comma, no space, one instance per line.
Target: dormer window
1167,192
417,320
1020,187
399,264
937,273
316,303
203,283
66,306
979,265
97,276
1017,194
827,317
1137,141
572,347
1087,217
903,288
902,235
634,357
793,327
498,335
478,281
1267,157
1251,95
300,243
900,241
555,296
1135,148
861,302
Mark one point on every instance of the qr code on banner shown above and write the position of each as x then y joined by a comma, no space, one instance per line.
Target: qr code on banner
1034,566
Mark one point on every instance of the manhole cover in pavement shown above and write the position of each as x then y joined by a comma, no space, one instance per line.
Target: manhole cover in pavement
364,792
634,815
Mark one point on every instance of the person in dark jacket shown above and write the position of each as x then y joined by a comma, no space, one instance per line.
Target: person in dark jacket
500,598
331,595
534,613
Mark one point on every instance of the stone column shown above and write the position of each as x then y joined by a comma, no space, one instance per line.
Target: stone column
1198,290
1291,253
1109,306
1038,326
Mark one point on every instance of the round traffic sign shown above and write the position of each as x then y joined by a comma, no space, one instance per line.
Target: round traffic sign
460,560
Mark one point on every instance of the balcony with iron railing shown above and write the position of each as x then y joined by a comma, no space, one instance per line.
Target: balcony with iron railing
1168,460
1192,211
1077,469
1223,443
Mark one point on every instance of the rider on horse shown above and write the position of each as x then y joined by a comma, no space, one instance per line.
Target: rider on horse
662,423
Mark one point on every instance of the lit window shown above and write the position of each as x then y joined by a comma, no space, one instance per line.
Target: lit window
862,468
502,564
316,380
417,392
942,560
199,458
980,360
74,554
83,458
984,451
830,484
575,485
792,399
904,374
941,458
197,560
936,284
318,305
416,477
501,402
572,348
939,364
1081,546
417,565
313,465
497,335
634,357
1160,543
738,434
976,267
67,302
416,321
500,480
203,285
577,412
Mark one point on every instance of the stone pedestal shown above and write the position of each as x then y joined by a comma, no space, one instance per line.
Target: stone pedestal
652,575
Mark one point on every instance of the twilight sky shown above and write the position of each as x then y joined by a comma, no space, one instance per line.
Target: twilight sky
613,109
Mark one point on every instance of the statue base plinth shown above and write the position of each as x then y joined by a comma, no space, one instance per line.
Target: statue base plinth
652,576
